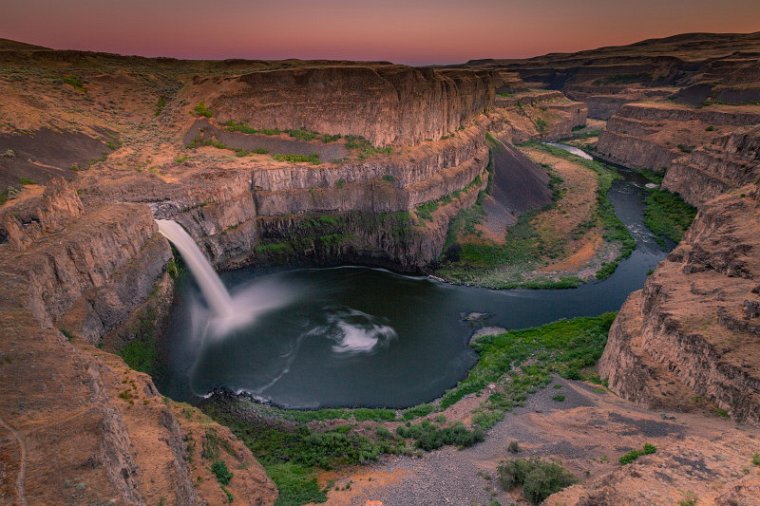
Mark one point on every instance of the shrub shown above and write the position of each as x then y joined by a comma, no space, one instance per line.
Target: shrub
558,398
340,183
74,81
539,479
541,125
160,105
429,437
202,110
634,454
756,459
312,158
223,475
514,447
25,181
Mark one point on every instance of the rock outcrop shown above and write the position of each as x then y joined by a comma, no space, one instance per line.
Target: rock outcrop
690,336
80,426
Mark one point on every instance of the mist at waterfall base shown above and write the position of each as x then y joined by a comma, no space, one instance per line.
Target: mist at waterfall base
351,336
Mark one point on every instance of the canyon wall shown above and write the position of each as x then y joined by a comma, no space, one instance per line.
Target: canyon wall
652,135
387,104
689,338
85,427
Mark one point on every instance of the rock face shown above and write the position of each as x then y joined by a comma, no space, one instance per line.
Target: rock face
387,104
729,162
86,428
653,135
691,334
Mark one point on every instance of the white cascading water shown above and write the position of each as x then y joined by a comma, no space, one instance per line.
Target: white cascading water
217,296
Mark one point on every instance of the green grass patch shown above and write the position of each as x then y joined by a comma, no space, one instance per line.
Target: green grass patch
23,181
75,82
312,158
201,110
564,347
635,454
667,215
365,148
223,475
160,105
141,352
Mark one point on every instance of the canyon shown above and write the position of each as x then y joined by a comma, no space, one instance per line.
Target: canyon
296,163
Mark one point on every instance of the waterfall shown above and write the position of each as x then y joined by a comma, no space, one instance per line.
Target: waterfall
217,296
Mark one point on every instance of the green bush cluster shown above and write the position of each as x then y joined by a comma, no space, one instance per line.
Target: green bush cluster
312,158
539,478
201,110
428,436
634,454
223,475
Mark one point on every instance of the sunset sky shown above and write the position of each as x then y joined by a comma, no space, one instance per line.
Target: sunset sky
404,31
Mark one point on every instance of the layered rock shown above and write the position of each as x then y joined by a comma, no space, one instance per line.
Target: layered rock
653,135
387,104
727,163
690,336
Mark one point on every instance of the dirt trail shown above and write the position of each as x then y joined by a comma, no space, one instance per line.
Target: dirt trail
20,492
587,432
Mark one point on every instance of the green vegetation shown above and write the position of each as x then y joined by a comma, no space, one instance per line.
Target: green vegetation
558,398
539,478
364,147
141,352
75,82
541,125
424,211
293,453
160,105
428,436
340,183
67,334
667,215
564,347
223,475
202,110
710,129
634,454
23,181
312,158
389,178
514,447
756,459
614,229
689,500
